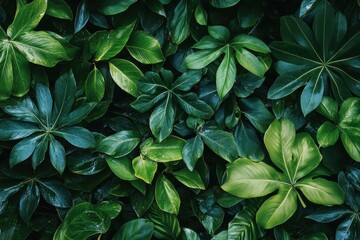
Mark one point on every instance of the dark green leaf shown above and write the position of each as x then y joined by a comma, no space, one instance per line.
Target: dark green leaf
13,130
222,143
57,155
327,214
29,201
223,3
162,119
192,151
77,136
23,149
120,144
82,16
95,86
59,9
55,193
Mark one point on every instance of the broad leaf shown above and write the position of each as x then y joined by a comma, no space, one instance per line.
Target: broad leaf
192,151
55,193
119,144
191,179
121,167
166,195
138,229
29,201
95,86
144,168
167,151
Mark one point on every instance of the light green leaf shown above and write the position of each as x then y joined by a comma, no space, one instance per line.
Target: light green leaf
327,134
201,59
321,191
95,86
220,33
200,14
126,75
138,229
40,48
249,42
6,71
121,167
191,179
107,44
279,140
144,168
167,151
27,18
221,142
21,74
119,144
250,62
226,74
166,196
144,48
329,108
59,9
249,179
277,209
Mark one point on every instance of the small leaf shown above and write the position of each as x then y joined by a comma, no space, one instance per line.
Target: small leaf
167,151
55,193
126,75
144,168
119,144
57,155
29,201
226,74
166,195
77,136
223,3
327,134
95,86
27,18
82,15
192,151
121,167
191,179
138,229
59,9
222,143
144,48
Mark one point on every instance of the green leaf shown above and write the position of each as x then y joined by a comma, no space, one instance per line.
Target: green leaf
349,120
180,22
144,168
44,100
57,155
138,229
166,225
95,86
257,113
248,142
77,136
348,229
119,144
249,179
6,72
126,75
249,42
86,164
78,114
193,106
226,74
111,208
221,142
279,140
55,193
59,9
321,191
329,108
192,151
29,201
250,62
312,93
27,18
21,74
23,149
277,209
13,129
162,119
188,234
107,44
191,179
112,7
83,221
223,3
166,151
121,167
82,15
220,33
327,134
166,195
40,48
200,15
201,59
142,203
144,48
64,95
329,214
187,80
39,152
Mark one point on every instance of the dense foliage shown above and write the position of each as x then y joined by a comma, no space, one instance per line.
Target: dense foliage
188,119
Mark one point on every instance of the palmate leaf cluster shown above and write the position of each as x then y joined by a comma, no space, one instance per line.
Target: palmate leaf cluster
189,119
